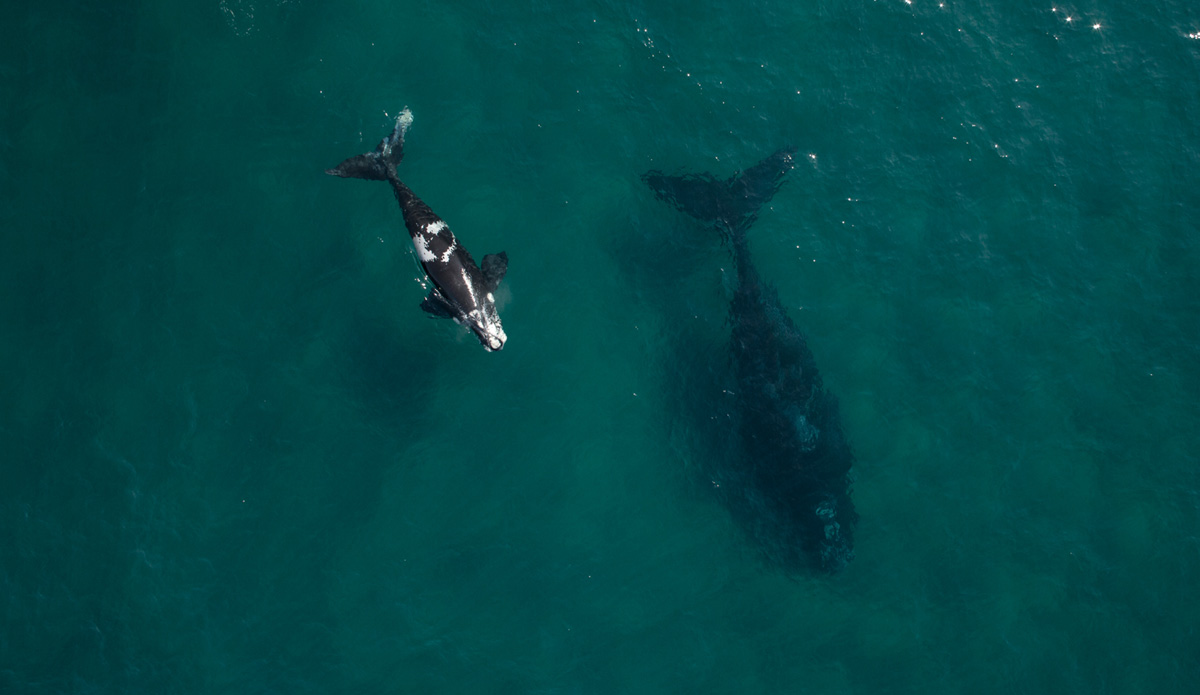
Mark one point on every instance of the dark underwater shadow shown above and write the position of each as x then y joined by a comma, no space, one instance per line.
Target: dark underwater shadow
384,372
366,325
322,432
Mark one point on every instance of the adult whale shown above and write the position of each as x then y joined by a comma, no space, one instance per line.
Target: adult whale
796,459
461,290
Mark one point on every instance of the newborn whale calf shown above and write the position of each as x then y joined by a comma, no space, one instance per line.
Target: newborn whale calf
461,290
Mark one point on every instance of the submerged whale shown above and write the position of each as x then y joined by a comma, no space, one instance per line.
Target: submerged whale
795,457
461,290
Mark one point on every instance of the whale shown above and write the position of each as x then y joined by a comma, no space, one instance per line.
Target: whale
794,462
462,290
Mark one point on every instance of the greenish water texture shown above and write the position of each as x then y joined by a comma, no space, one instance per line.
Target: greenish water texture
237,457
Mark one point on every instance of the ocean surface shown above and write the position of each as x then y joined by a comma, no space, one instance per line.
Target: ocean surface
236,457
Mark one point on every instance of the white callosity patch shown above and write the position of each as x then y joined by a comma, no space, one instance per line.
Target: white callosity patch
496,338
488,328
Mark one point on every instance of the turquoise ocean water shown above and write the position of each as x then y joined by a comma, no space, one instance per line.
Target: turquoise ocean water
235,457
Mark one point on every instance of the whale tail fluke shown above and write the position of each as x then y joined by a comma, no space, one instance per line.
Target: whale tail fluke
375,165
731,204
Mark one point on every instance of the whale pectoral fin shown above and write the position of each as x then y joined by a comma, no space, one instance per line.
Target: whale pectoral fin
495,265
436,305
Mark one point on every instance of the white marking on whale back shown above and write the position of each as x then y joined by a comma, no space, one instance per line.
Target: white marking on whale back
421,243
466,279
449,250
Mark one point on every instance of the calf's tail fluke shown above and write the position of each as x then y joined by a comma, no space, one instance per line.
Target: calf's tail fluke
374,165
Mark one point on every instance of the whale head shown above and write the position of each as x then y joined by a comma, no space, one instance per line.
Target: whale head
484,322
836,550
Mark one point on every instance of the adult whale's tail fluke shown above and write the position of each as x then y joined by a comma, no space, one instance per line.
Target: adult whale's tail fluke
731,204
374,165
